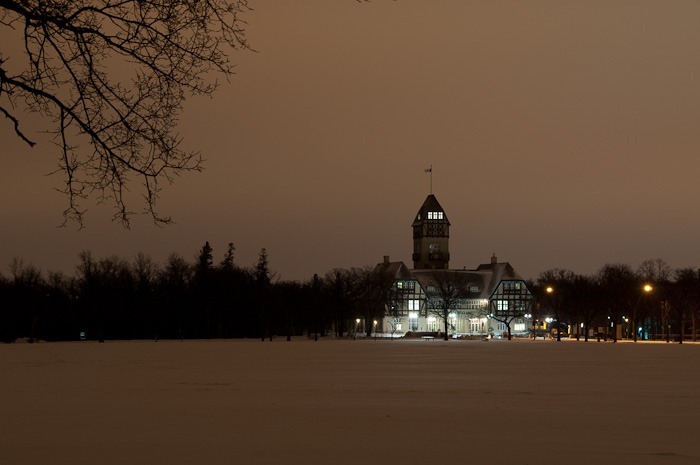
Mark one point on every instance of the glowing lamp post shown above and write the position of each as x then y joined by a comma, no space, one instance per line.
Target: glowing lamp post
374,326
647,288
550,292
357,327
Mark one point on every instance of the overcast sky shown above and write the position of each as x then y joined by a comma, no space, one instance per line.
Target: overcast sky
561,134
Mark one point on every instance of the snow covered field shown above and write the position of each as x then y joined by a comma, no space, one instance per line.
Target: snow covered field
349,402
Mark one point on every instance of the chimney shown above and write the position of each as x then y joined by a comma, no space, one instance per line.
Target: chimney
386,259
494,260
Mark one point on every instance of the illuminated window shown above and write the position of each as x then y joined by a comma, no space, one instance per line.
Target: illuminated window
436,215
432,323
474,325
414,305
413,321
512,286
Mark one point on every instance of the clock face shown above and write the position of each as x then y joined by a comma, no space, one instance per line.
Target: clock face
434,248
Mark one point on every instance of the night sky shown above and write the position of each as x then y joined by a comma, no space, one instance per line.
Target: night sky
561,134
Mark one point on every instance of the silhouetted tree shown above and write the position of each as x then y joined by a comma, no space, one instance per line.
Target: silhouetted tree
650,312
339,293
371,286
557,290
203,288
287,303
262,281
61,319
585,302
619,287
112,127
106,288
145,273
30,297
227,263
683,297
174,284
314,305
444,294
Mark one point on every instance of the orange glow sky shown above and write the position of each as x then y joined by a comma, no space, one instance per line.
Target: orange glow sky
562,134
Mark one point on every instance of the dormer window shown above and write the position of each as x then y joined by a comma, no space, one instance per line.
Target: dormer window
436,215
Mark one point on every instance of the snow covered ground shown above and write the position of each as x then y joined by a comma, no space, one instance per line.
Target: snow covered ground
349,402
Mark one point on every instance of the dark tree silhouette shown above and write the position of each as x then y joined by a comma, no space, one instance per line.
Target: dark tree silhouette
371,286
314,305
30,292
262,279
339,293
148,315
619,288
557,293
113,126
445,293
227,263
174,288
585,302
683,296
657,273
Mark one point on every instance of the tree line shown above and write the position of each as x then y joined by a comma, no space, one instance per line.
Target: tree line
113,298
652,302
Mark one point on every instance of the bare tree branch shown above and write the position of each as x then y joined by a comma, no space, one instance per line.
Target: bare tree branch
111,77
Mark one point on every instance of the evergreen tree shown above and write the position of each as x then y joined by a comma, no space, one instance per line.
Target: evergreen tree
261,277
227,262
205,260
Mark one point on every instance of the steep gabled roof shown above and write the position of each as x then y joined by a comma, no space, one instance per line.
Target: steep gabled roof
395,269
430,205
499,272
486,278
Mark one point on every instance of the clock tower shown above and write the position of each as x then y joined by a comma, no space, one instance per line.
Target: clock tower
431,237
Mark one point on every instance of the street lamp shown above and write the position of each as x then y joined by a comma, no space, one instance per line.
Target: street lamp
647,288
357,326
550,291
374,325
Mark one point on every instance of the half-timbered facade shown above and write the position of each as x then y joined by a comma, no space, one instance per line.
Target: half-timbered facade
476,303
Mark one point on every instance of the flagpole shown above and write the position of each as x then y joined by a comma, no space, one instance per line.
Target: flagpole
430,170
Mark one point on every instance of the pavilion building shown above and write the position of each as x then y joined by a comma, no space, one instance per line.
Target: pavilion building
483,301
